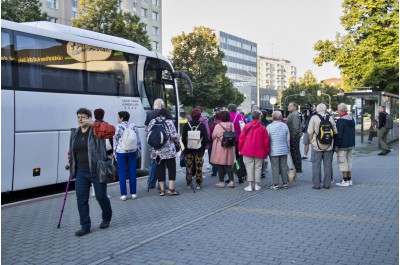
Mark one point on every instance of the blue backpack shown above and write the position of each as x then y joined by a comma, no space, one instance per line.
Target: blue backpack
157,136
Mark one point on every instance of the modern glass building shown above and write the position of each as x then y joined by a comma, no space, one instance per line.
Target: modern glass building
241,60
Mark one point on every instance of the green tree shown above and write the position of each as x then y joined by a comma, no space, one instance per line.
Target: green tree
310,86
308,79
368,54
103,16
22,10
198,54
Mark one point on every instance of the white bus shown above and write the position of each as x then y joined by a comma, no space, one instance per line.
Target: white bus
48,72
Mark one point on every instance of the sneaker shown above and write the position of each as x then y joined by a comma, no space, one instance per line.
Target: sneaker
82,232
257,187
285,186
213,175
304,158
104,225
134,196
220,185
208,166
248,188
231,184
123,198
198,187
350,182
188,187
274,187
343,183
109,196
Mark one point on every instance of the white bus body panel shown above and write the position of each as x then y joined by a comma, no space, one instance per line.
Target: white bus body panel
7,139
63,145
43,123
35,150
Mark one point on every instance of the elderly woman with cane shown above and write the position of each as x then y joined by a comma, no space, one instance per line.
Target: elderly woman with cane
85,150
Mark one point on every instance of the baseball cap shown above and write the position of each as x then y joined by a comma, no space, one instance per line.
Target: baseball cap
217,109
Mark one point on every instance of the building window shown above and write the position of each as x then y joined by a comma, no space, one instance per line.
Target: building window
155,31
51,4
155,45
155,16
53,19
74,15
155,2
143,12
74,3
134,3
144,27
119,5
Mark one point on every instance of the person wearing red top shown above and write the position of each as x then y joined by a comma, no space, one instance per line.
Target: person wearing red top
254,146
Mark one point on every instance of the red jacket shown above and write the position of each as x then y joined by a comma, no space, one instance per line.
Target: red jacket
254,140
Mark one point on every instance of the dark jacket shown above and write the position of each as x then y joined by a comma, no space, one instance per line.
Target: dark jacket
96,151
345,139
203,134
381,119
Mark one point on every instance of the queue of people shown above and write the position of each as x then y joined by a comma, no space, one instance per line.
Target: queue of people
228,138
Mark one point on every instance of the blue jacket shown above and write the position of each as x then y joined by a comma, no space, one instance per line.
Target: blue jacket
345,139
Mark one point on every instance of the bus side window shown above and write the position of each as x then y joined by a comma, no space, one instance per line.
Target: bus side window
7,58
112,76
45,65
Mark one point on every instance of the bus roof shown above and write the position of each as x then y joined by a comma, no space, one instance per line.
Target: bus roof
67,33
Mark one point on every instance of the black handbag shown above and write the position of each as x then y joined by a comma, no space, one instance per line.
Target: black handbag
177,146
228,138
239,168
106,171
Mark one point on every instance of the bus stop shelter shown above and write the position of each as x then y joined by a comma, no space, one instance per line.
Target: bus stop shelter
376,99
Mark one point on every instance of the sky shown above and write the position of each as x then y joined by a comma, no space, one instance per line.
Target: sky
285,29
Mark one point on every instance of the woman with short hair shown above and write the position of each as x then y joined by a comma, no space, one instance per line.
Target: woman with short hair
194,156
223,157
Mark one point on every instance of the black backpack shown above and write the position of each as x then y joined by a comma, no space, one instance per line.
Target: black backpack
389,121
325,131
157,136
228,138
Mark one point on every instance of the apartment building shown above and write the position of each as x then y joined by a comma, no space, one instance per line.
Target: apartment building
149,11
241,61
273,74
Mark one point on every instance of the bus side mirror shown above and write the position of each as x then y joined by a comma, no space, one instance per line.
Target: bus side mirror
186,77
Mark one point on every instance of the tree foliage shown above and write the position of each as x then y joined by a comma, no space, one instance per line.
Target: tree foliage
103,16
308,83
22,10
198,54
368,55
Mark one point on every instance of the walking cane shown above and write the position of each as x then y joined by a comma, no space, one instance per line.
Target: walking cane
65,198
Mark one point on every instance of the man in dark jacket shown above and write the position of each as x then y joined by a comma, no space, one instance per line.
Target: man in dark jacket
345,141
383,131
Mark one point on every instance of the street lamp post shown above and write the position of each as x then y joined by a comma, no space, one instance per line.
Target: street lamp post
319,93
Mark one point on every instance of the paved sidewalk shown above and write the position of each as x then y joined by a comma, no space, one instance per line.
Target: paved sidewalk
354,225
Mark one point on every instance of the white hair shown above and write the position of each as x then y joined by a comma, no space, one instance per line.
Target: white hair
321,107
158,104
342,107
276,115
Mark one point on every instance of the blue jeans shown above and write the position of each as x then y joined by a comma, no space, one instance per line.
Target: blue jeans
127,161
82,186
152,179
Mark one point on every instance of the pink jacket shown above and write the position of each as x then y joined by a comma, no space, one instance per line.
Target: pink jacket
236,124
221,155
254,143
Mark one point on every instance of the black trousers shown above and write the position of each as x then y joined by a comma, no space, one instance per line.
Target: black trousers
295,152
171,166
